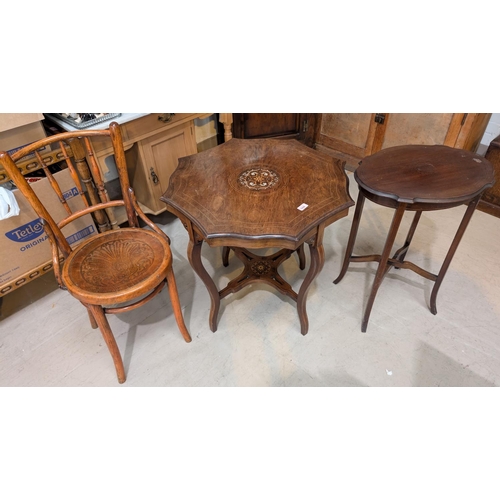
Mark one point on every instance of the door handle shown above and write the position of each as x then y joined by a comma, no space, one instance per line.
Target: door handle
165,117
154,177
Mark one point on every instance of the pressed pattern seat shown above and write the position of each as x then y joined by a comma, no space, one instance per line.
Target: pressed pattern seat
116,266
138,258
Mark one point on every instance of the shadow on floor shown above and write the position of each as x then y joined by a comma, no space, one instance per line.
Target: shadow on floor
435,369
27,294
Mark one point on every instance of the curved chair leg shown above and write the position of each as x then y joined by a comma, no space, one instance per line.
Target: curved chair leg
93,322
176,305
109,338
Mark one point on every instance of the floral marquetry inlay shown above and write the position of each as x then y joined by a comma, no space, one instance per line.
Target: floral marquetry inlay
115,259
258,178
261,267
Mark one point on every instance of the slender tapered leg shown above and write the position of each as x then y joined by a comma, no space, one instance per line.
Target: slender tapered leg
401,253
451,252
102,322
382,266
317,262
352,236
176,305
194,256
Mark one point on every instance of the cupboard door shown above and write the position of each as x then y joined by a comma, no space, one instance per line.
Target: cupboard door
458,130
254,125
352,136
160,154
300,126
416,128
349,133
473,126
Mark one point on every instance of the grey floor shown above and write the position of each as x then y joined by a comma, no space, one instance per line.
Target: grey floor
46,340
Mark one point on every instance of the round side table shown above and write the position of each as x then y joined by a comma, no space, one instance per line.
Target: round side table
416,178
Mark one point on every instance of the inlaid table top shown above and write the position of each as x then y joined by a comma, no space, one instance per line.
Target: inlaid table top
258,193
258,190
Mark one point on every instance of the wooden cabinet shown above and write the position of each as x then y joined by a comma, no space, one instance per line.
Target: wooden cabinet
490,201
153,144
158,157
352,136
298,126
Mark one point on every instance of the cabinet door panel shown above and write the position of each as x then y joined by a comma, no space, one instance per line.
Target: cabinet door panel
254,125
352,136
300,126
351,133
351,128
161,153
416,128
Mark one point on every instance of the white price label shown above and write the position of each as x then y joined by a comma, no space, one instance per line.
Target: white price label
302,207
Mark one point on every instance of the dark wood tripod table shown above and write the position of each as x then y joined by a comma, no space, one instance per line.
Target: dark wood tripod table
416,178
253,194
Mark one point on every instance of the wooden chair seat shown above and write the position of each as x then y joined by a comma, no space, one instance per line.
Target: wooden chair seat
116,266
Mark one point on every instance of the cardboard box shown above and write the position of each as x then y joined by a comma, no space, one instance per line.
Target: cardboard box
14,136
9,121
24,244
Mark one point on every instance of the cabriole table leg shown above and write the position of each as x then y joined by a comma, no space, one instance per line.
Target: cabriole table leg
317,262
194,256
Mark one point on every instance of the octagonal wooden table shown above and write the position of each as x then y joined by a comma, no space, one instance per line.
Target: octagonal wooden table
253,194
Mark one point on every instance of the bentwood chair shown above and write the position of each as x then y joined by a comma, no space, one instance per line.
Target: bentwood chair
117,269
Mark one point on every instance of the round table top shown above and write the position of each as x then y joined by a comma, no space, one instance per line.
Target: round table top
425,174
258,189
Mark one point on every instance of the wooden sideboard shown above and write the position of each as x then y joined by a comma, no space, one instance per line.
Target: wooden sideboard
153,144
352,136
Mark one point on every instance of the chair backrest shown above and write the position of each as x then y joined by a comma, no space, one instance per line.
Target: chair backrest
78,155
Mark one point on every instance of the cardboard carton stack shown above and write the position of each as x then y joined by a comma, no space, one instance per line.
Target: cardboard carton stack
19,129
25,251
